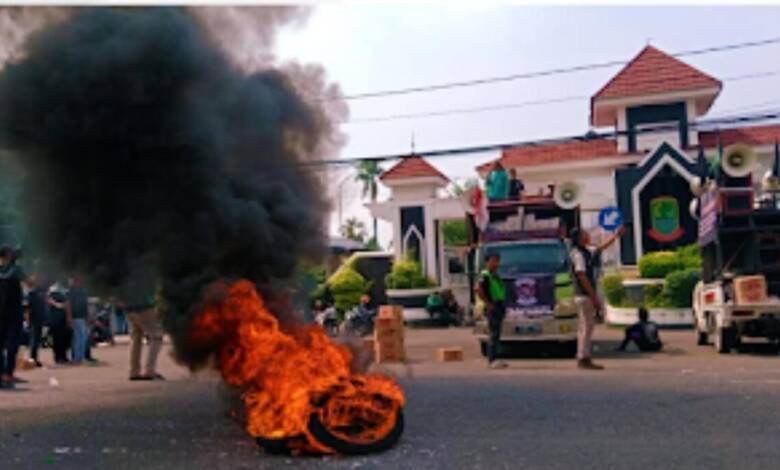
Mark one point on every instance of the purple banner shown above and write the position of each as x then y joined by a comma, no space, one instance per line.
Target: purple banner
708,220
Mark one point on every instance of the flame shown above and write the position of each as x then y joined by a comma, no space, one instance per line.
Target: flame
286,376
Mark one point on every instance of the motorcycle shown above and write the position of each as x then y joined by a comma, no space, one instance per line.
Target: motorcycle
100,328
359,322
329,321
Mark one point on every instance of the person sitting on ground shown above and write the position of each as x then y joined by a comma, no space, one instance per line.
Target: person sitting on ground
516,186
497,183
643,333
435,307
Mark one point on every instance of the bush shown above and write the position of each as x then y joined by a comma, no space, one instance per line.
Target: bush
407,274
658,264
654,296
347,286
678,287
690,255
613,289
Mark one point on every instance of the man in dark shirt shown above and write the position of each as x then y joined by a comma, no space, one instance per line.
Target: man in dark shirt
11,315
643,333
59,322
516,185
77,297
36,314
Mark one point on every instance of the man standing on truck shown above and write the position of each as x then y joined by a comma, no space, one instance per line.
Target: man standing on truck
492,292
583,263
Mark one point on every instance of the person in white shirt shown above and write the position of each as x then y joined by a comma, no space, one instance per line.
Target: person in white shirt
583,262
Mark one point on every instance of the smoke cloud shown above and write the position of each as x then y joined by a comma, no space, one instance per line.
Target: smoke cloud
154,159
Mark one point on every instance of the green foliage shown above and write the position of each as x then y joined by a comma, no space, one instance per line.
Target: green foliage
654,296
407,274
678,287
690,255
353,229
658,264
613,289
373,245
455,232
347,285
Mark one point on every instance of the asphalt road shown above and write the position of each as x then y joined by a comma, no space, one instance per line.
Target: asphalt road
684,408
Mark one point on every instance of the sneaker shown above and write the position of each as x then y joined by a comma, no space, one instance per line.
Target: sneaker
587,364
156,377
91,360
498,365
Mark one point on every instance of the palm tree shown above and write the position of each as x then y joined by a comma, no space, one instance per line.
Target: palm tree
354,230
368,175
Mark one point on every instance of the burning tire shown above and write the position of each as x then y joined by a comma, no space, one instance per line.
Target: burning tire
343,442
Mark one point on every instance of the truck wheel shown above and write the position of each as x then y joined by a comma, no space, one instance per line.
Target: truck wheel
724,340
703,338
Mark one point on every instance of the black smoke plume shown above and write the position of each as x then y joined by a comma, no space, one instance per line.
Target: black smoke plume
153,160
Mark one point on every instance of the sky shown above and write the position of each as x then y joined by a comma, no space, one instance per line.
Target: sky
381,46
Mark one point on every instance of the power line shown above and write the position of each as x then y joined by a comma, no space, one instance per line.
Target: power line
545,73
501,107
480,109
709,124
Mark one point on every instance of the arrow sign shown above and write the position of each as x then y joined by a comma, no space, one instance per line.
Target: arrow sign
610,218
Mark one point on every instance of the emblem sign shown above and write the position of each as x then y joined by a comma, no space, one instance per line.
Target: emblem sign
665,219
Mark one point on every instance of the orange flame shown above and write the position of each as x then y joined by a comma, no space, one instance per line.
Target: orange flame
285,377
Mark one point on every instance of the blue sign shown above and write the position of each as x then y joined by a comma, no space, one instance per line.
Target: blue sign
610,218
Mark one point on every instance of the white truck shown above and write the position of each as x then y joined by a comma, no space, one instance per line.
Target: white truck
739,234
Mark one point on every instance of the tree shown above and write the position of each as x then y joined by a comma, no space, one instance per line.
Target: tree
368,175
457,189
354,229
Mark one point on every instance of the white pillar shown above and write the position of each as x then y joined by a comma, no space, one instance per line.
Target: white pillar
430,243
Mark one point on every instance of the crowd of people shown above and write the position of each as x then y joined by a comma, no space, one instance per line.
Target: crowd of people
37,313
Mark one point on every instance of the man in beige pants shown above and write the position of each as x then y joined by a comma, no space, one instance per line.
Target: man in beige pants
144,321
582,259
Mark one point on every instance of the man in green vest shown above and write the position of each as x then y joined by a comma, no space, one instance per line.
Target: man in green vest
492,292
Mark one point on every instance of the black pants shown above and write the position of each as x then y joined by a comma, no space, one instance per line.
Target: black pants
60,336
10,336
495,320
36,335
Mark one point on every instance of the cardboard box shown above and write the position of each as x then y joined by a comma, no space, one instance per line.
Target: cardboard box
388,327
750,289
390,356
391,311
450,354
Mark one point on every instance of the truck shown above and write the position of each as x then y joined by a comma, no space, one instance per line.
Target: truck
739,236
529,235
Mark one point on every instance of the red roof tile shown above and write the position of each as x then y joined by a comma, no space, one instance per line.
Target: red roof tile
531,155
757,135
652,72
411,167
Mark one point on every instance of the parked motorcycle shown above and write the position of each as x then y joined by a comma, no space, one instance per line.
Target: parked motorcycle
328,320
359,322
100,328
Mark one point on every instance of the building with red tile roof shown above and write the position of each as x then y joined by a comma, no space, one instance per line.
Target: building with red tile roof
412,167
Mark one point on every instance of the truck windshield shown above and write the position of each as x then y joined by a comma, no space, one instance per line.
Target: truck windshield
530,258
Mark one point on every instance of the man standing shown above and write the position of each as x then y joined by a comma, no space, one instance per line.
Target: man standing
36,314
516,186
144,321
11,315
583,265
79,306
59,321
492,292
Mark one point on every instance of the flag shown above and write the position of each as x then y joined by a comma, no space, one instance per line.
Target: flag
480,204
